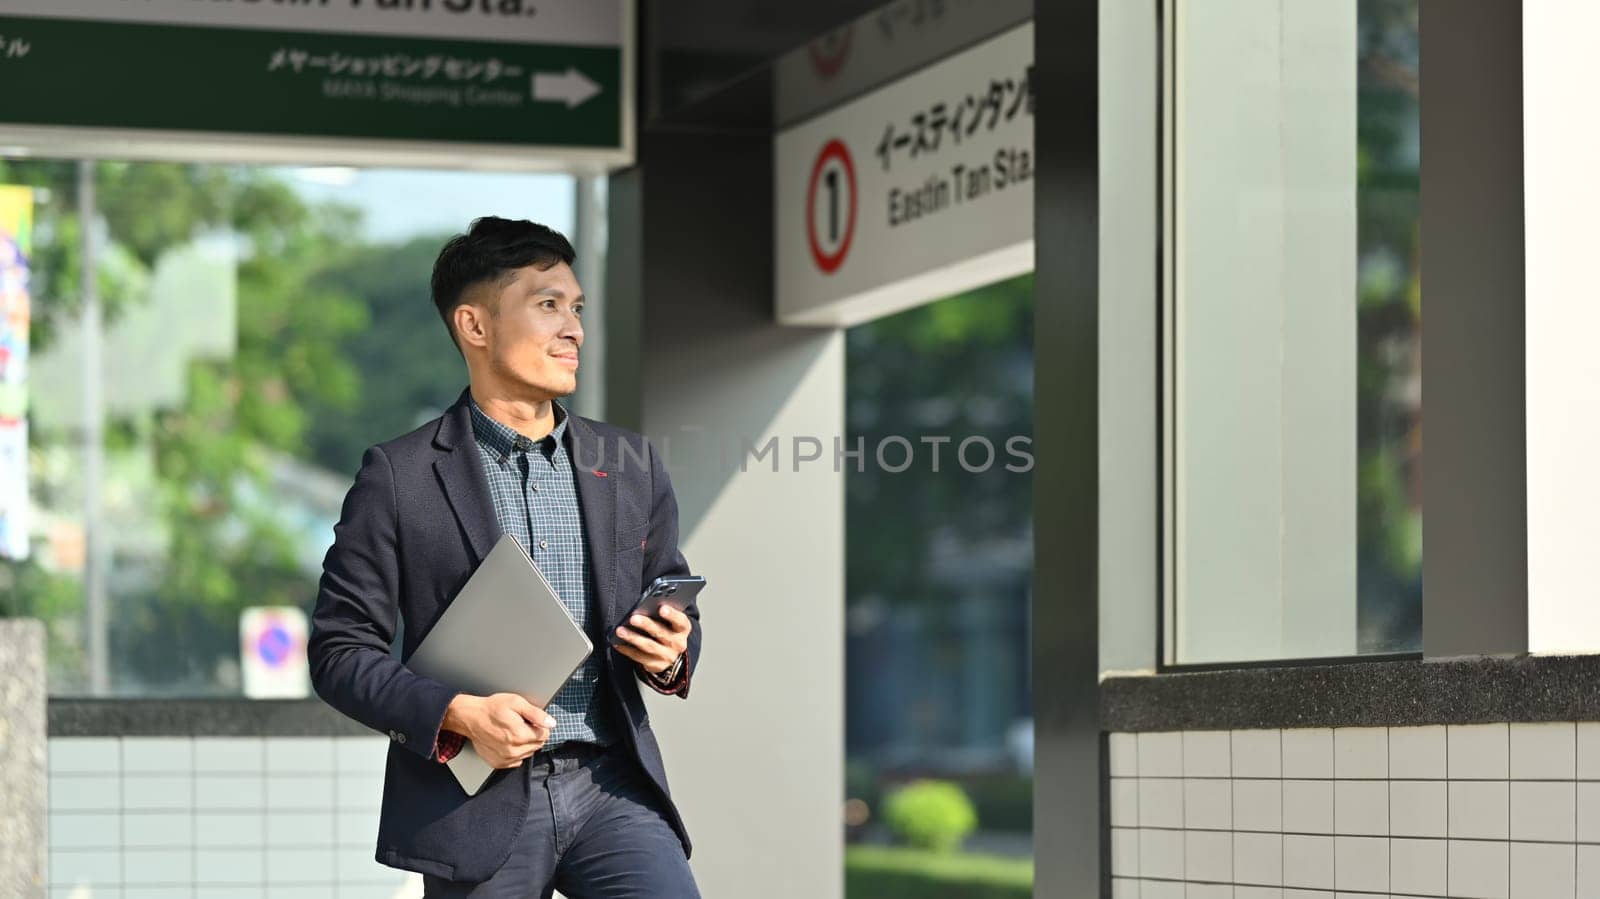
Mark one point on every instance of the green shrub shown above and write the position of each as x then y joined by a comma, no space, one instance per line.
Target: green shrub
883,872
930,814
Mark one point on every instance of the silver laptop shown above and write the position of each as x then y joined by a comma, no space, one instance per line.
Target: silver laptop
506,632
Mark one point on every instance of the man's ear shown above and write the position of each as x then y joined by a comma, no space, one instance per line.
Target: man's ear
469,323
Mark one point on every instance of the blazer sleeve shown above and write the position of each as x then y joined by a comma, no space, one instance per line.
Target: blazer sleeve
356,616
662,558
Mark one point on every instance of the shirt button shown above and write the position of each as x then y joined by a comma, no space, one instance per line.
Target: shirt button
535,488
544,544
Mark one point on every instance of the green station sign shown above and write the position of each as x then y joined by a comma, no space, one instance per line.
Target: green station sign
439,86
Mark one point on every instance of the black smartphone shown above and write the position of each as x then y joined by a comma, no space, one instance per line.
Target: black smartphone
673,590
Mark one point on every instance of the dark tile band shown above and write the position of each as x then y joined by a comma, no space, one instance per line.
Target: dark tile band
198,717
1357,694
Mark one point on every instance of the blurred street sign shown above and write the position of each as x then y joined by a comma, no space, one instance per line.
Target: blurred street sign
272,645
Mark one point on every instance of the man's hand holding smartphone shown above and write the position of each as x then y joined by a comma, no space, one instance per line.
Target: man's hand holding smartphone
657,631
655,642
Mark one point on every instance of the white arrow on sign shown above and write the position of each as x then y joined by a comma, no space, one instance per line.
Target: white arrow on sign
571,87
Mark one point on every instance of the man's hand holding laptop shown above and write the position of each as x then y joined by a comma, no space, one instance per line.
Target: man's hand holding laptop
504,728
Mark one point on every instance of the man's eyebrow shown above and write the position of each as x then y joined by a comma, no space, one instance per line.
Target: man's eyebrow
557,293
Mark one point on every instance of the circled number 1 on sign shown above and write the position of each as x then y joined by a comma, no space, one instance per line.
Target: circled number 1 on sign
831,211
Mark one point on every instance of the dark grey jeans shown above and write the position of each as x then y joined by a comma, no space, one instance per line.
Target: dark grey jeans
595,830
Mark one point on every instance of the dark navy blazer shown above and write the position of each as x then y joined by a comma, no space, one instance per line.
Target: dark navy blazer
414,527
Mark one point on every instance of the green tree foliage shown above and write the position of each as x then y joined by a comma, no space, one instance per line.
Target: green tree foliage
405,341
956,368
939,557
215,456
175,618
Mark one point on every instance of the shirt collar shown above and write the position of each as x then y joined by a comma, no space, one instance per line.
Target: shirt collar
503,440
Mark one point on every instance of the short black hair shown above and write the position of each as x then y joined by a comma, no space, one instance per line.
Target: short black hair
492,248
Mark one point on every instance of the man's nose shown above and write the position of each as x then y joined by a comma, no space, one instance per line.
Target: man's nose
572,328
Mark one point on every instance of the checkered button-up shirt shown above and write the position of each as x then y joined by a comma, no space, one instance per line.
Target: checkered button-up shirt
536,501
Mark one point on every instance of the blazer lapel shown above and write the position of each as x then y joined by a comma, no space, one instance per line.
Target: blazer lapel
597,500
461,475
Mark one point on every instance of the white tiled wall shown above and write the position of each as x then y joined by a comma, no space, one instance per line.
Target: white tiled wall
225,817
1487,811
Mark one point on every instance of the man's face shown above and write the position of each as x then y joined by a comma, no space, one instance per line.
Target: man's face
534,331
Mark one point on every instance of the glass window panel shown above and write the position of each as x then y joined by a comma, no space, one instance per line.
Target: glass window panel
1293,344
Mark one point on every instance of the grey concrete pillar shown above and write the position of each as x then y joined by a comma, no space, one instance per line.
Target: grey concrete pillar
22,758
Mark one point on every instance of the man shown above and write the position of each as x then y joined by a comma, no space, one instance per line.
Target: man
582,805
